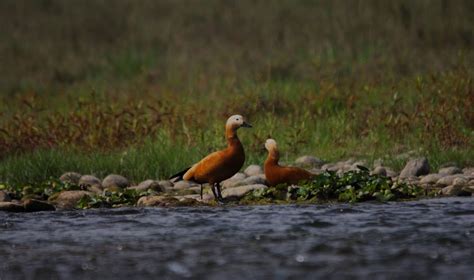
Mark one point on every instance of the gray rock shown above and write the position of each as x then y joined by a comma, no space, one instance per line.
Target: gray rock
165,183
379,170
89,180
391,173
33,205
468,171
156,200
70,178
115,181
11,207
452,190
253,170
447,180
4,197
469,189
182,185
147,185
252,180
239,192
431,179
309,162
450,170
460,182
416,167
69,199
97,189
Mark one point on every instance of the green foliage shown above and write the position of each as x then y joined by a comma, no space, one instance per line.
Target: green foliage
356,186
111,199
352,186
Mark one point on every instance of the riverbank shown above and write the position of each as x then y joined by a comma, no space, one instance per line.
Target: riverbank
343,181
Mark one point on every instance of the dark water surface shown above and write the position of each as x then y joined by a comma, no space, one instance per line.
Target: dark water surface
419,239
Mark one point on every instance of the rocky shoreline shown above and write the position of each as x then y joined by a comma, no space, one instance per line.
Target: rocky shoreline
76,191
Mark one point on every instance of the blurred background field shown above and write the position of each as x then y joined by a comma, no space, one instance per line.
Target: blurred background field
143,88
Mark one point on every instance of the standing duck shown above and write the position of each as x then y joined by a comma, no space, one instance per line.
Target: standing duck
276,174
220,165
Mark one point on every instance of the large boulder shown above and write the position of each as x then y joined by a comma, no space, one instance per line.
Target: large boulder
69,199
239,192
450,170
4,197
309,162
33,205
253,170
114,182
11,207
415,167
89,180
70,178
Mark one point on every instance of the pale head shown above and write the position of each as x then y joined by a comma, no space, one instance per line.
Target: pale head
236,121
271,145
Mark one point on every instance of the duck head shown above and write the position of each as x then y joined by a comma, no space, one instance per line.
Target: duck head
270,145
236,121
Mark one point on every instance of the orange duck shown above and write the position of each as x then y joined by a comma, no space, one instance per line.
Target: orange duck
220,165
277,174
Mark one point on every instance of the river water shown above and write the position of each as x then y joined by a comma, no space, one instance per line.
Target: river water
418,239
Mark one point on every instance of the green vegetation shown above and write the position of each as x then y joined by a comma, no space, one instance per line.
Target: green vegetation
143,88
352,186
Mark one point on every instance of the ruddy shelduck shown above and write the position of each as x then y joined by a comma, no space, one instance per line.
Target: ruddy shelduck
276,174
220,165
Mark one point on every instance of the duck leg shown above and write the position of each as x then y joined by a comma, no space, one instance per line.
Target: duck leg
213,188
219,194
201,191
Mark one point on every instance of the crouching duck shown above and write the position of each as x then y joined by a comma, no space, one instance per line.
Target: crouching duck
276,174
220,165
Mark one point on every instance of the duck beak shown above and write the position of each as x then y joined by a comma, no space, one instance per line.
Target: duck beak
246,124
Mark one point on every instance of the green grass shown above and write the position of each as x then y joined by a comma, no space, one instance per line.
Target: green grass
148,93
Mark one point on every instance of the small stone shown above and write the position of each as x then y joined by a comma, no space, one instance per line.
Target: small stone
149,184
379,170
69,199
33,205
391,173
447,180
97,189
431,179
468,171
416,167
4,197
450,170
165,183
182,185
155,200
253,170
252,180
460,182
241,191
452,190
89,180
115,181
309,162
70,178
11,207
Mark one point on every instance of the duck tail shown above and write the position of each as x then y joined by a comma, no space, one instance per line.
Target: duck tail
179,176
